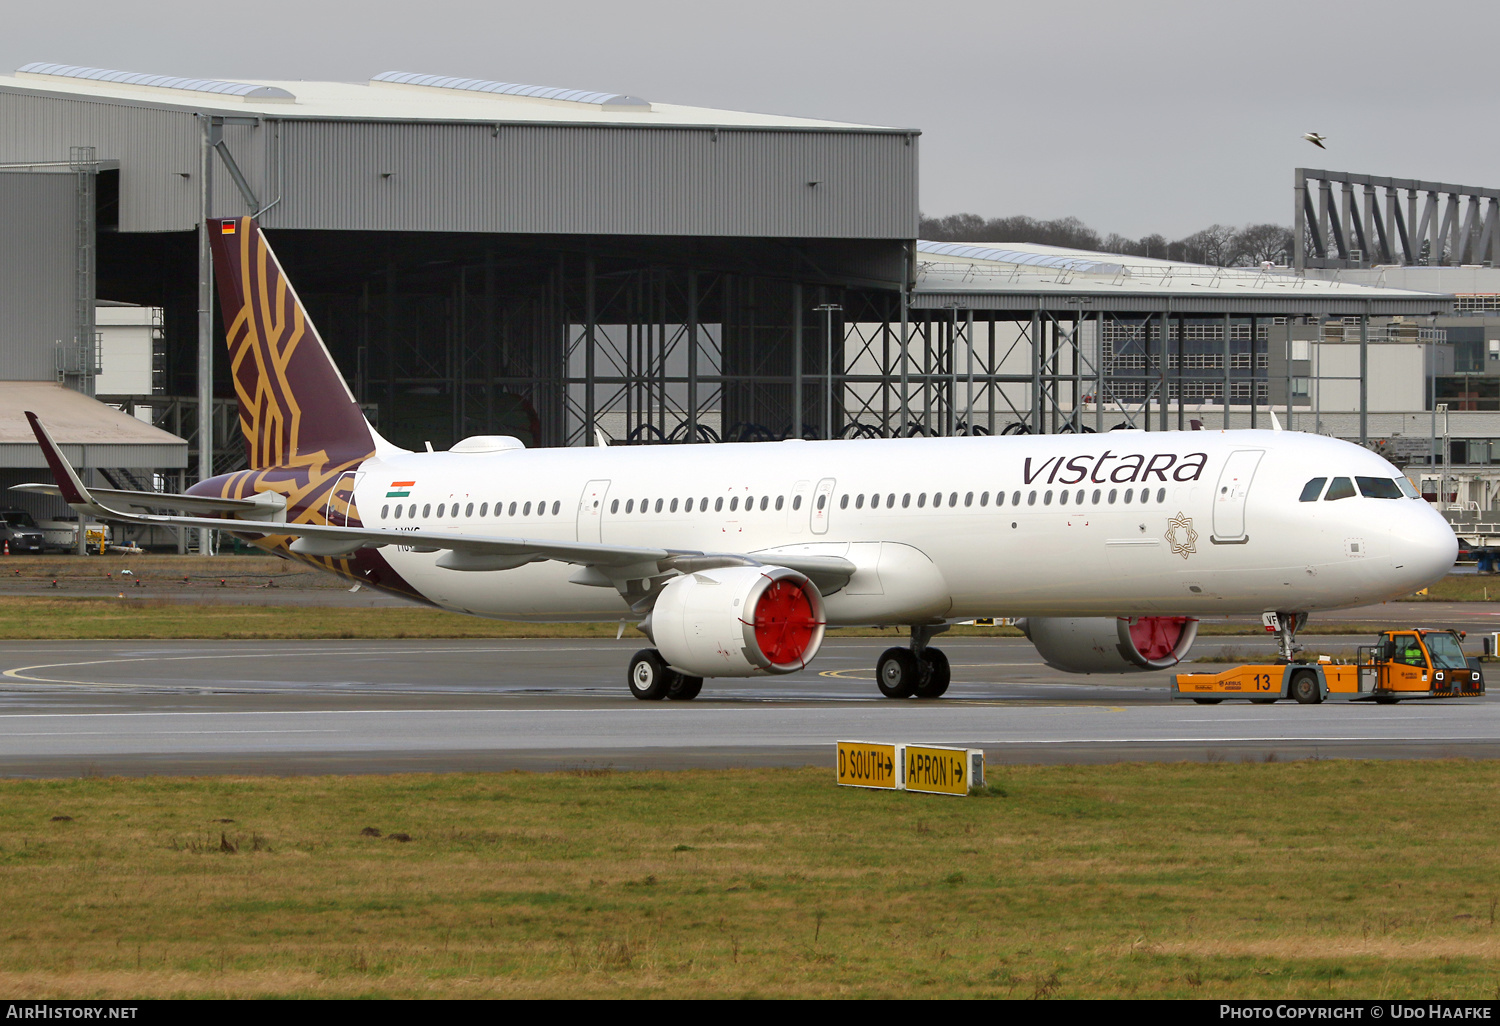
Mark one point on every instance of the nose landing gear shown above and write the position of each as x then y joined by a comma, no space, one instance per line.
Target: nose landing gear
1285,626
918,670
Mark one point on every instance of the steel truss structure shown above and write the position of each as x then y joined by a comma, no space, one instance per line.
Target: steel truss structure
1409,222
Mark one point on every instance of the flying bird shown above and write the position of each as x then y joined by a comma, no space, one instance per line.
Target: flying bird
1315,139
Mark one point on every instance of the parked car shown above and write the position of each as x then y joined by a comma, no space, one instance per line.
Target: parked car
20,533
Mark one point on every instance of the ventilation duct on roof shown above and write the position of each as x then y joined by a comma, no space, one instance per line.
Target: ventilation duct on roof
608,101
243,90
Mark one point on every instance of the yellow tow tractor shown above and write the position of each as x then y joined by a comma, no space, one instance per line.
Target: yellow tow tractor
1401,665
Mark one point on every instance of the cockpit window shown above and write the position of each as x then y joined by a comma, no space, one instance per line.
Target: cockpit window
1342,488
1378,488
1407,488
1313,489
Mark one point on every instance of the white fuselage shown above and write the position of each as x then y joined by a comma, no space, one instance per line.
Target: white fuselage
1221,528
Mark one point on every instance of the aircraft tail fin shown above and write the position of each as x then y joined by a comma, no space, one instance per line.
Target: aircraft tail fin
295,408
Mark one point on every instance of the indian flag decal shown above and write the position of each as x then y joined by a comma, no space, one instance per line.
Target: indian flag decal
399,489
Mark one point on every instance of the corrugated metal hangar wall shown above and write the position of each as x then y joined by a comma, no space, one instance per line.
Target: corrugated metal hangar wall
536,279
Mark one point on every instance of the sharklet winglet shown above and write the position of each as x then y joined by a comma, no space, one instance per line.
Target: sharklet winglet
74,492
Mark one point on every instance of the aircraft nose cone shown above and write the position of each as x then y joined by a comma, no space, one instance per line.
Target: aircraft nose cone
1424,552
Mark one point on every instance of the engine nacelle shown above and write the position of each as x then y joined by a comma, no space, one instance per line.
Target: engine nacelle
738,621
1099,644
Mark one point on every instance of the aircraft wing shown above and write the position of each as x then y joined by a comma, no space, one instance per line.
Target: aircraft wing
636,571
120,497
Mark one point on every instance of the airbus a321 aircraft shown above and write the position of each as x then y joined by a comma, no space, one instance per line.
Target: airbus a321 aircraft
734,558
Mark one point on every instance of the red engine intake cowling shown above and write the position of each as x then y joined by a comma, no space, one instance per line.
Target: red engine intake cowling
738,621
1100,644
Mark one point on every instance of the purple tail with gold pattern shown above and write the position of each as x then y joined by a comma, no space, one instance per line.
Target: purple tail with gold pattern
295,409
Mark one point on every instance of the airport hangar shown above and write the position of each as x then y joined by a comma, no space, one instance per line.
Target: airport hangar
493,258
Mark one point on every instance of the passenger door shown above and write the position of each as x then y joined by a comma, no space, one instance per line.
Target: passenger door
1230,496
591,511
822,506
341,509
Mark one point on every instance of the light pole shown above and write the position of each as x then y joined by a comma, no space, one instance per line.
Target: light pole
827,310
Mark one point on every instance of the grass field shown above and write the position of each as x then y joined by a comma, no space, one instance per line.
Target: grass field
1311,879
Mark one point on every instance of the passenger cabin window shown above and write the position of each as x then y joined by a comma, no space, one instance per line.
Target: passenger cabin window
906,500
921,499
968,498
440,510
384,510
734,504
984,498
822,501
469,510
1378,488
512,511
1313,489
426,511
1062,497
843,502
484,509
398,512
1161,495
1096,496
796,502
779,500
719,504
859,501
614,507
1342,488
556,506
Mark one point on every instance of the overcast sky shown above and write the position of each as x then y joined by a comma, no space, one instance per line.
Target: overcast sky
1134,115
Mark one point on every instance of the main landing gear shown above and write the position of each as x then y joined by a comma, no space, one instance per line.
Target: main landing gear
918,670
651,679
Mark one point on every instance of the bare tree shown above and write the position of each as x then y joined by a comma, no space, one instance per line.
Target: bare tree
1259,243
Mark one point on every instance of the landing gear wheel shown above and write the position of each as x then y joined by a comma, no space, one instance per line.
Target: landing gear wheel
1305,688
683,687
649,677
898,673
1208,701
938,674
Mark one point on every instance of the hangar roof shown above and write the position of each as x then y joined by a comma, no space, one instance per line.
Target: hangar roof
999,274
393,95
90,433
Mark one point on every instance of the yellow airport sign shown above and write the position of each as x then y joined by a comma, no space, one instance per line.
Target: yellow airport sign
942,770
864,764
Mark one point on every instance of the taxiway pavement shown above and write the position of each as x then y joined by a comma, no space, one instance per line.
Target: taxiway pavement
132,707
